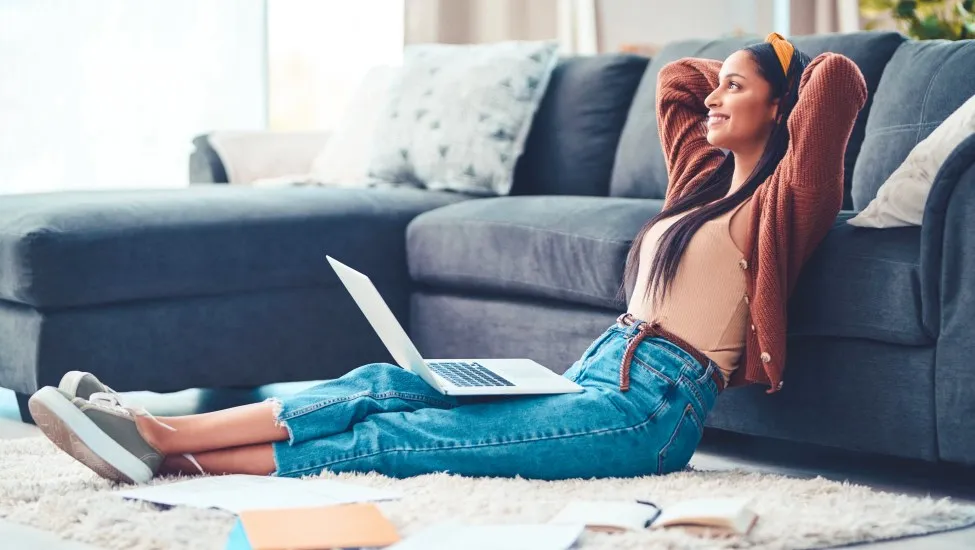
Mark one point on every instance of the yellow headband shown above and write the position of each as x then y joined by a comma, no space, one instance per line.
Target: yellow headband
783,49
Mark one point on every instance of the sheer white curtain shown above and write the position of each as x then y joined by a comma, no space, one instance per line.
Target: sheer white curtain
578,27
481,21
823,16
109,93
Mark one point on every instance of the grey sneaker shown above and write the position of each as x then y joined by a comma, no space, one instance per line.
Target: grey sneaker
101,434
82,384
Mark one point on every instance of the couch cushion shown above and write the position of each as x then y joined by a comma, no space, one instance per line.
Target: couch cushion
862,283
574,134
923,84
640,170
563,248
73,249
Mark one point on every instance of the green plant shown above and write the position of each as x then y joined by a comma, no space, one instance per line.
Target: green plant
924,19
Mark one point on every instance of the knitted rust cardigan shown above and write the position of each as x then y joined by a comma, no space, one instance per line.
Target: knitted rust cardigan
793,209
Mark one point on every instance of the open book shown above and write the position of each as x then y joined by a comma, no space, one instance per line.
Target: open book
731,515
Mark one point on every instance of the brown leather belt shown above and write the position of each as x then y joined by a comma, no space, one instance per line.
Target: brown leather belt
654,329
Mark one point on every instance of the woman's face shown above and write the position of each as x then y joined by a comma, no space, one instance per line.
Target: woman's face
741,111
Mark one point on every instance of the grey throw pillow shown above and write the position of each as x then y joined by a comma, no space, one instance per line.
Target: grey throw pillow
457,116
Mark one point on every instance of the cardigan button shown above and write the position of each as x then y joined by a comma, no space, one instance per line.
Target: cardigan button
746,298
766,357
742,263
753,328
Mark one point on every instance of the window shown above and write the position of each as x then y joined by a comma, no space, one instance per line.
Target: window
319,50
110,93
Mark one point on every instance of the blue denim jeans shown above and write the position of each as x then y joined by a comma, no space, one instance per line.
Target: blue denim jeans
385,419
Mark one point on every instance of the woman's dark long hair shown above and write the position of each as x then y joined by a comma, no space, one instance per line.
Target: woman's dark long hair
710,196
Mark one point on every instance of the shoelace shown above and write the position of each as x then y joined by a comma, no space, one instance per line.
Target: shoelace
193,461
111,401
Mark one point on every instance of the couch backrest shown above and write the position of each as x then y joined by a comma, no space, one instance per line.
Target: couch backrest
573,138
640,170
922,85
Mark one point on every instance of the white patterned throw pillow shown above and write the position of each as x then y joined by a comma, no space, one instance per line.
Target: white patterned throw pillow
900,200
457,116
343,160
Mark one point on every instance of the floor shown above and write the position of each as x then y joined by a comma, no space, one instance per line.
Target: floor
718,451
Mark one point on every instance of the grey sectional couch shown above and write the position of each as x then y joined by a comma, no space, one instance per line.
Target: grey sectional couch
226,286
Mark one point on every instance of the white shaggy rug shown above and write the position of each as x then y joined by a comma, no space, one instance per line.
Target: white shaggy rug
44,488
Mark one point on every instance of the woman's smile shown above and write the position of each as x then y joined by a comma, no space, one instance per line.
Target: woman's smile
716,119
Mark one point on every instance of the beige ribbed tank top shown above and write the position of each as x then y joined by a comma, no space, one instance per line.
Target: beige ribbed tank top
706,305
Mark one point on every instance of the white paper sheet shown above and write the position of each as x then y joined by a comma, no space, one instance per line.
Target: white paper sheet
236,493
620,514
451,536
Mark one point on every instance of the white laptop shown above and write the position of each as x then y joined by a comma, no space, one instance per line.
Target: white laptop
449,376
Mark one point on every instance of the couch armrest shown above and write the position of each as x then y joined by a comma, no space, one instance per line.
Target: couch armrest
948,298
243,157
205,163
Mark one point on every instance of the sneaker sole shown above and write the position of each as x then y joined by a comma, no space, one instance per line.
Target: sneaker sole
74,433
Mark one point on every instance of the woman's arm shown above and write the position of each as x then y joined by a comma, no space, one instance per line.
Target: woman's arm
799,202
682,87
831,93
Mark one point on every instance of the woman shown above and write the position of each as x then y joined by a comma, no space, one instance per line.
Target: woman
712,271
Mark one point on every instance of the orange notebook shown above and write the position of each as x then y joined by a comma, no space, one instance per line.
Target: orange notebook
342,526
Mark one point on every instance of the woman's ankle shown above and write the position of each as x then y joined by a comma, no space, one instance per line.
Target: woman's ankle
152,432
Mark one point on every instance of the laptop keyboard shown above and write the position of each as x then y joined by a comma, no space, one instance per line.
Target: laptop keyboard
466,375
